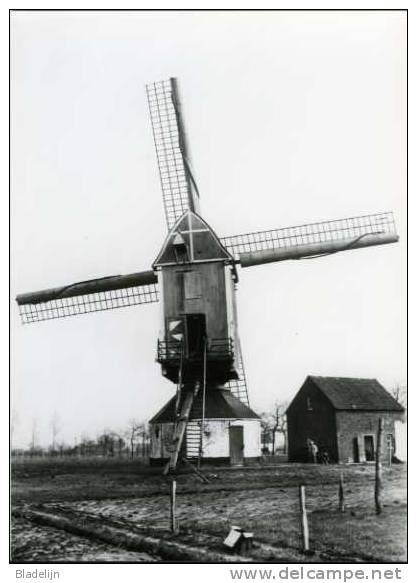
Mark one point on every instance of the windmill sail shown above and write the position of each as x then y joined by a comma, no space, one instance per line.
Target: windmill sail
179,191
312,240
95,295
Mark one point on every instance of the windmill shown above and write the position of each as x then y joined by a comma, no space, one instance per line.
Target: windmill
194,277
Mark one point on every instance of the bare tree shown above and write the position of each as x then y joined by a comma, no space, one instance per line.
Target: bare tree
106,442
119,442
276,422
144,435
87,446
62,447
55,429
399,392
34,436
266,432
134,430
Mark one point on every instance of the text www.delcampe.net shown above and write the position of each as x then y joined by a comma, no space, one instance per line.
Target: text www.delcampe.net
302,573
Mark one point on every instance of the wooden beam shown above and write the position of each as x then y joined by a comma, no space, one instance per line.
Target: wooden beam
91,286
378,507
314,249
304,520
341,494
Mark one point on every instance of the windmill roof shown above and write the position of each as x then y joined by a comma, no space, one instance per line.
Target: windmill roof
196,235
346,393
220,404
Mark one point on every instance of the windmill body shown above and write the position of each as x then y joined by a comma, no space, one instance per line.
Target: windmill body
197,278
198,349
194,276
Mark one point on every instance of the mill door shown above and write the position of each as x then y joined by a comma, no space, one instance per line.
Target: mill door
369,448
195,326
236,444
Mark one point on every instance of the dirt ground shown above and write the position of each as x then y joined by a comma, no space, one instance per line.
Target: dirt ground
32,543
262,499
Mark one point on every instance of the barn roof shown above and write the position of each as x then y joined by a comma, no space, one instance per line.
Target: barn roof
220,404
347,393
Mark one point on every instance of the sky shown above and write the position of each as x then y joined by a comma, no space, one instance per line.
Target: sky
292,117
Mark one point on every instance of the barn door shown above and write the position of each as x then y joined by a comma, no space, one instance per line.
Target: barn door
236,444
355,450
369,448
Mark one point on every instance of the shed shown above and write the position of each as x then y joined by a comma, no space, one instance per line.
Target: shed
340,414
230,432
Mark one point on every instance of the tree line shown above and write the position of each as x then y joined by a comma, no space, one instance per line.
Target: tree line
134,440
131,441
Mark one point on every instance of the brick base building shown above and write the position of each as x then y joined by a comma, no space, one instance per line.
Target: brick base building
340,415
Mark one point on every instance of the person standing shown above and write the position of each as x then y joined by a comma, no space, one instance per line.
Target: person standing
314,451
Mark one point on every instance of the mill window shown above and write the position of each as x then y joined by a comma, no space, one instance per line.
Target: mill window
192,285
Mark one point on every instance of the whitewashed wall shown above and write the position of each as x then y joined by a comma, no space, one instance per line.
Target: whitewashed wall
215,438
401,440
251,436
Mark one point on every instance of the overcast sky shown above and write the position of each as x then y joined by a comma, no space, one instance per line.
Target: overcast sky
292,117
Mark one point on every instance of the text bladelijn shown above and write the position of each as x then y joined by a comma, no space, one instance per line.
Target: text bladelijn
37,574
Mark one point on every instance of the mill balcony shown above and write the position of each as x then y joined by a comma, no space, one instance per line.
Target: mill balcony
217,350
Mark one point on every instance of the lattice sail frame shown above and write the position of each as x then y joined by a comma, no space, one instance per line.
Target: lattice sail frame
238,387
171,149
324,232
84,304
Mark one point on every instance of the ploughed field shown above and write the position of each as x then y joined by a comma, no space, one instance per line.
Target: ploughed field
263,499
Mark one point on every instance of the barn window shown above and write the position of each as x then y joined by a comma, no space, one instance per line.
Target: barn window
309,405
157,432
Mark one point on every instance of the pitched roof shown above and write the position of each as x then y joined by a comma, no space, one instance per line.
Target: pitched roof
220,404
200,240
347,393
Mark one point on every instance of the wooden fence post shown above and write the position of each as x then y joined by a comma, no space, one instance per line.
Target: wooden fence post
378,507
341,494
172,497
304,520
390,451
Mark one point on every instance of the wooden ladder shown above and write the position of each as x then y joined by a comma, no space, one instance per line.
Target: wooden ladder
195,428
180,427
191,431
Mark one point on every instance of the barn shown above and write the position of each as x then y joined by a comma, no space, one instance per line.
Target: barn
231,431
341,416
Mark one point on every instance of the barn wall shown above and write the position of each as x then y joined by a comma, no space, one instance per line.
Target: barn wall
357,424
401,440
311,416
